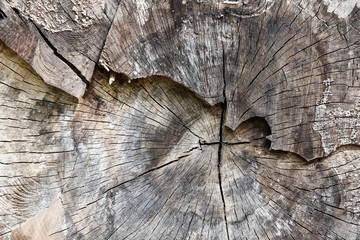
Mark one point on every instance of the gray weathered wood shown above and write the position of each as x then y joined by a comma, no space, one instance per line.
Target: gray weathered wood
61,40
226,120
141,160
76,29
272,59
24,38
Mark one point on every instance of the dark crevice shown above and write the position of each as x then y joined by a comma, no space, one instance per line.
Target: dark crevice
235,143
223,111
56,53
16,11
219,165
2,15
19,15
166,107
147,172
191,149
224,143
108,31
151,170
202,143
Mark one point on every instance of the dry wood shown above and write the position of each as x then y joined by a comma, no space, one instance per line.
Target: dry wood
62,40
225,120
266,58
142,161
23,37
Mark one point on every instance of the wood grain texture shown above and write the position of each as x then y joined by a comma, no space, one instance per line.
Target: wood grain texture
151,160
273,58
76,29
24,38
224,119
117,137
295,63
61,40
277,195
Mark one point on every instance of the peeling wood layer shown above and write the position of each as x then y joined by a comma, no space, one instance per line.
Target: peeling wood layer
74,30
273,55
24,38
274,63
341,8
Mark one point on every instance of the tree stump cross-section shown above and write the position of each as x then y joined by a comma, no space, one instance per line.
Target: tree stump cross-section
226,119
149,160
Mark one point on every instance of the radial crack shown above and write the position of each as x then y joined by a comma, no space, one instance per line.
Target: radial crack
152,170
62,58
223,110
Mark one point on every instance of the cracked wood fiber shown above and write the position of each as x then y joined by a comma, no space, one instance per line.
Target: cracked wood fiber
273,59
61,40
227,119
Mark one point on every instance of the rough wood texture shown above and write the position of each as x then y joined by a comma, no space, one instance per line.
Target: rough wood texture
271,59
150,160
226,120
23,37
264,58
62,40
76,29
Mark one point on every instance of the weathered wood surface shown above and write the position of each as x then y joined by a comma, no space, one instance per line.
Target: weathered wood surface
76,29
142,161
295,63
266,58
62,40
270,154
23,37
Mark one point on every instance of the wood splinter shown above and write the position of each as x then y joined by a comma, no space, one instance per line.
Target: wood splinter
112,77
104,65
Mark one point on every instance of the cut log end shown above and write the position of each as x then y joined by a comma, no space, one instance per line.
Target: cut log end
206,119
151,160
272,59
